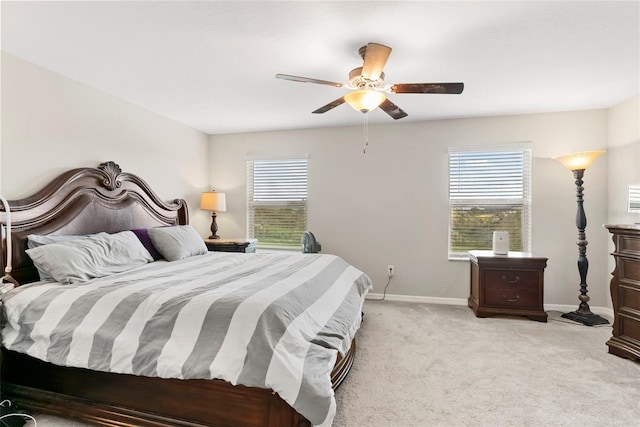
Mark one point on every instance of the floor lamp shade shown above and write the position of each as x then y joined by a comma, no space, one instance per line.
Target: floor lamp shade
581,160
577,163
213,201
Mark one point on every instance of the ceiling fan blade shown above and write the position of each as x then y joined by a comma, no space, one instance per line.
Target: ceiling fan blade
307,80
329,106
392,109
451,88
375,59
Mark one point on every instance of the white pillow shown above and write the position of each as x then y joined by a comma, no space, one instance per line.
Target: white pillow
177,242
79,260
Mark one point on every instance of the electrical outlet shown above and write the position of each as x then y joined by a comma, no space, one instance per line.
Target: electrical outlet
390,270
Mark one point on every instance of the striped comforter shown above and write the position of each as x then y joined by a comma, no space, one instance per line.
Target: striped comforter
274,321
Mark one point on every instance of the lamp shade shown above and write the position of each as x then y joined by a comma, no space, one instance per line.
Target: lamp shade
365,100
581,160
213,201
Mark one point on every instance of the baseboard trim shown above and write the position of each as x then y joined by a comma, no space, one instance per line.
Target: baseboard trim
564,308
413,298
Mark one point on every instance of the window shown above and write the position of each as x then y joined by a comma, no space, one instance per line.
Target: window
634,198
488,191
277,202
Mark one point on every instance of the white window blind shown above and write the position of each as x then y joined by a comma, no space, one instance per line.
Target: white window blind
634,198
277,202
489,191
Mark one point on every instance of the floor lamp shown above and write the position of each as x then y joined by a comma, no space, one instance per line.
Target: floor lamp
578,163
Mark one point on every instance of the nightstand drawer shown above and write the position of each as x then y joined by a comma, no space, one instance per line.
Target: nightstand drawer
511,279
511,298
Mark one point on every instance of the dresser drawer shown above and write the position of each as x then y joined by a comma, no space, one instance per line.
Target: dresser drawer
512,279
629,327
629,245
629,297
629,269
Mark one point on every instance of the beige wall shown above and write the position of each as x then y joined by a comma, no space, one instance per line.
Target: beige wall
624,163
390,205
51,123
624,158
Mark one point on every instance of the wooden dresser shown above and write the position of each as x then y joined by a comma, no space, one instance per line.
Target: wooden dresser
510,284
625,291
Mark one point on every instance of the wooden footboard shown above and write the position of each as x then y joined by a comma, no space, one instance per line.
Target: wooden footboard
127,400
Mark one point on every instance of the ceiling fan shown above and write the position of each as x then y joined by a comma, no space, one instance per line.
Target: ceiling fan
368,85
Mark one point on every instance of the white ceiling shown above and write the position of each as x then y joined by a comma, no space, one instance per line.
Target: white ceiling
211,65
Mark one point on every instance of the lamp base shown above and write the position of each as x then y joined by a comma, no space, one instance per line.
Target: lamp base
214,226
589,319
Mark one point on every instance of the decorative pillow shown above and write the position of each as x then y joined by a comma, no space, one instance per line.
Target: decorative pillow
35,240
178,242
79,260
143,236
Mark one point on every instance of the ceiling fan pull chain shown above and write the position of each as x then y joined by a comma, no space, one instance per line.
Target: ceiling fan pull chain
366,134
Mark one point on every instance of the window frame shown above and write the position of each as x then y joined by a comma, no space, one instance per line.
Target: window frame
524,201
275,201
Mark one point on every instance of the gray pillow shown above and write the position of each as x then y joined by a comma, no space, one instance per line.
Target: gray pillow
178,242
79,260
35,240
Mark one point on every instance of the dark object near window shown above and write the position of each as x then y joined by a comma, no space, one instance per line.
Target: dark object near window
309,243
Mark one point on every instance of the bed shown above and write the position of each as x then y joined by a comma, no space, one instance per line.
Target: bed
37,378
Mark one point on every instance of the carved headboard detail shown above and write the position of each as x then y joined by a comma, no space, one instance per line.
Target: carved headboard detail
85,201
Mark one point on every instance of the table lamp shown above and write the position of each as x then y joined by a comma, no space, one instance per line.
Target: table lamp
213,201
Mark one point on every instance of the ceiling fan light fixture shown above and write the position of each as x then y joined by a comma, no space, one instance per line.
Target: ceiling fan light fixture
365,100
368,85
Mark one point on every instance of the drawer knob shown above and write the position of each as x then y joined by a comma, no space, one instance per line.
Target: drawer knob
511,300
511,282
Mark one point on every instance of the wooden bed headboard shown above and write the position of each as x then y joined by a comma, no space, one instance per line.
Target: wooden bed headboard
85,201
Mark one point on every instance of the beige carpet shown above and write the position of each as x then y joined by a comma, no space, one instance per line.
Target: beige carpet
431,365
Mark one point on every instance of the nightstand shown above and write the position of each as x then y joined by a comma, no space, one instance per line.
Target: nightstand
510,284
231,245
